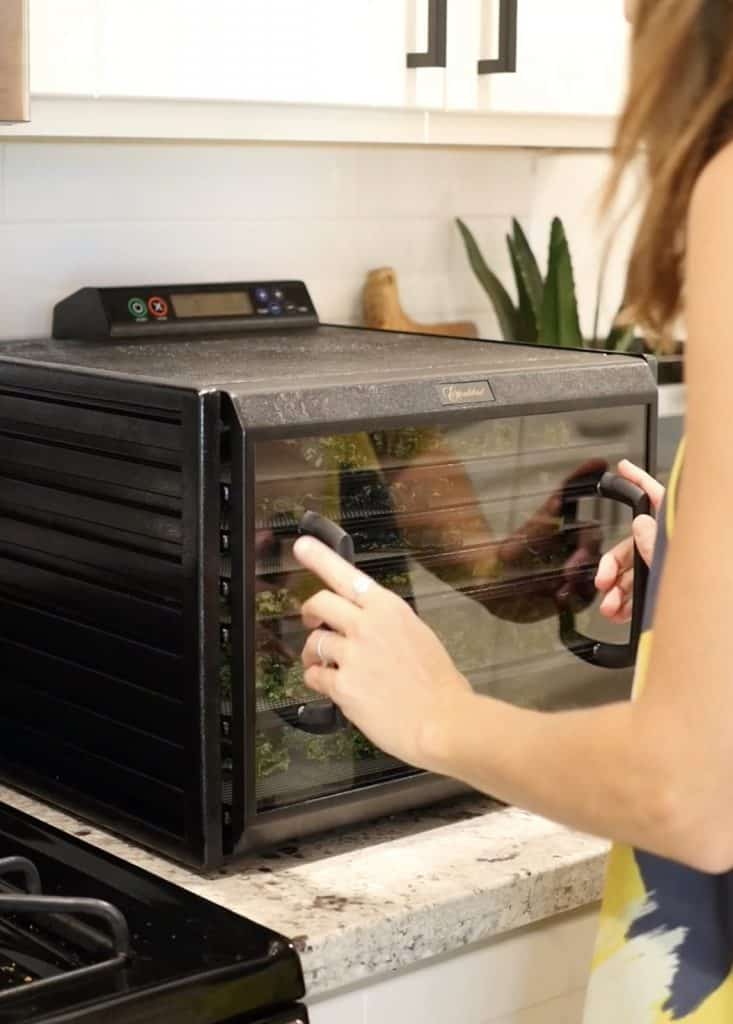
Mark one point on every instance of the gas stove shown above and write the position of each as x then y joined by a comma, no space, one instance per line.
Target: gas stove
85,937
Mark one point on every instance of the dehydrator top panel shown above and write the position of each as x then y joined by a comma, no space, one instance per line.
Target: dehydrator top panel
319,357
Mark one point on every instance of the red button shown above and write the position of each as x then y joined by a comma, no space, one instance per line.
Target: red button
158,307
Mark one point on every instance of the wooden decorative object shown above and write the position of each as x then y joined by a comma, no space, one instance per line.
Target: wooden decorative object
383,311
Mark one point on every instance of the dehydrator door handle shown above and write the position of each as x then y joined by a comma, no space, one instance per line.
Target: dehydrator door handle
321,717
330,533
597,652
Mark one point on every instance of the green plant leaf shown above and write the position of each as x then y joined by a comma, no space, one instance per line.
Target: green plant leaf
621,337
526,316
506,312
628,342
528,267
560,323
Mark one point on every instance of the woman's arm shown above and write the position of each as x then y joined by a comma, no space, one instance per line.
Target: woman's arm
657,773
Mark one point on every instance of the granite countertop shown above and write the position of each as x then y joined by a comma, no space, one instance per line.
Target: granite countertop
379,898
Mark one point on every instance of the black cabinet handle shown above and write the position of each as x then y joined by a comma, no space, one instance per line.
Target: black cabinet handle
436,55
321,717
606,655
506,62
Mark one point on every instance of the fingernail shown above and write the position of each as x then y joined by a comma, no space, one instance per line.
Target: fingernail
301,545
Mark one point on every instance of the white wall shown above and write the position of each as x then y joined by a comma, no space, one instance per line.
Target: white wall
117,213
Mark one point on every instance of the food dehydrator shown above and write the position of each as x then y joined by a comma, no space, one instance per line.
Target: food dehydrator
157,456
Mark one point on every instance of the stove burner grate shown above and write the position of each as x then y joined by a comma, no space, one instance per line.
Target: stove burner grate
43,942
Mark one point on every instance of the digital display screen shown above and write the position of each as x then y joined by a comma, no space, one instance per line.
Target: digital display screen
192,304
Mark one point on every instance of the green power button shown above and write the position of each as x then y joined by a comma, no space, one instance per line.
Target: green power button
138,309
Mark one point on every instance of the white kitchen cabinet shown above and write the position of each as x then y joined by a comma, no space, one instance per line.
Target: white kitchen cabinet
466,20
571,59
354,53
325,70
538,975
283,51
64,53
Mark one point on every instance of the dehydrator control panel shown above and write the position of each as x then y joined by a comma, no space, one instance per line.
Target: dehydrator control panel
93,314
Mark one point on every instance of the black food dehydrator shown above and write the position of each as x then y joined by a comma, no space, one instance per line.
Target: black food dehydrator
152,484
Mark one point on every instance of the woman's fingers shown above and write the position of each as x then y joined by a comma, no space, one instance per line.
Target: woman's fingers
645,535
614,563
338,574
325,648
618,596
328,609
322,679
617,606
623,615
619,561
612,603
641,478
614,578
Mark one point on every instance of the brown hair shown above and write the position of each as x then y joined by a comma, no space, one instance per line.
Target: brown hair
679,111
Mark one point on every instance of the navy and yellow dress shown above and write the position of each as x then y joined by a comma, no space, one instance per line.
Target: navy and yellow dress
665,946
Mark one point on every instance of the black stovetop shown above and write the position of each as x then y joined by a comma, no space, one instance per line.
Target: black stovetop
157,954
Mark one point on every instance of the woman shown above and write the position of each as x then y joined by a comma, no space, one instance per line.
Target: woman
657,772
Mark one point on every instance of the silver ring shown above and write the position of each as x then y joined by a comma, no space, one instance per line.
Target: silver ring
361,585
324,661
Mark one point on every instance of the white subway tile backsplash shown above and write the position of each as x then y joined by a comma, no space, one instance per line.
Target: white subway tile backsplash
123,181
403,182
75,213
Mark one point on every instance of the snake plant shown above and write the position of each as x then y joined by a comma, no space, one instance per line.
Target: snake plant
545,311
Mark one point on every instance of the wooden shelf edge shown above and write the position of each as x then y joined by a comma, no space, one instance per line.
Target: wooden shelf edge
87,117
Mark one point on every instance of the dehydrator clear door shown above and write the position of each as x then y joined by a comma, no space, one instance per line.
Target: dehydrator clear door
491,530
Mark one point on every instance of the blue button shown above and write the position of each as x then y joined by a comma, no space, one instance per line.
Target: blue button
276,309
262,295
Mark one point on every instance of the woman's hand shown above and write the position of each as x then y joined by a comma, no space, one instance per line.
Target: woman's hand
386,670
615,577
